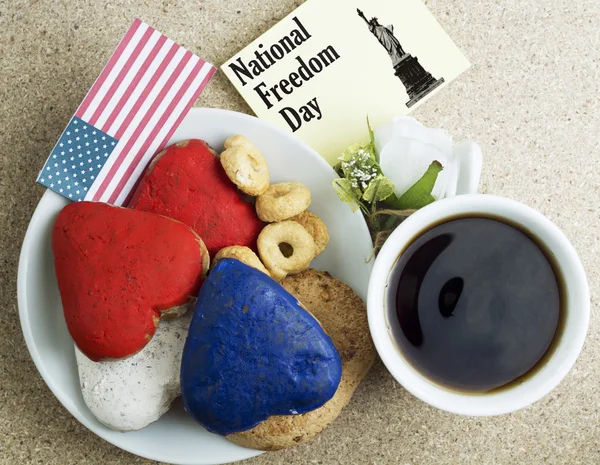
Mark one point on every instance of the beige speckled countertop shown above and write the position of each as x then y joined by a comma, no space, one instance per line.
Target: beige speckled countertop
531,99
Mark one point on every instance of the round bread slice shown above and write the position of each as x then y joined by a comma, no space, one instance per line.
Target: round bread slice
343,315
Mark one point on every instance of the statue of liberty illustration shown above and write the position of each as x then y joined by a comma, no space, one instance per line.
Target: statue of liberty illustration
417,81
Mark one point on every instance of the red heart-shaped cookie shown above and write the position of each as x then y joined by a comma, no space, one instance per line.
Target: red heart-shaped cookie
187,182
118,271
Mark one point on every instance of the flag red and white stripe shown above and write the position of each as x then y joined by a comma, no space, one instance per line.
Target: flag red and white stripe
140,98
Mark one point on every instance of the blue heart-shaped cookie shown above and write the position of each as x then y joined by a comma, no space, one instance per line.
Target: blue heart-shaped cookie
253,351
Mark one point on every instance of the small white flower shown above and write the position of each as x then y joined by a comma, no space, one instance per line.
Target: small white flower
406,148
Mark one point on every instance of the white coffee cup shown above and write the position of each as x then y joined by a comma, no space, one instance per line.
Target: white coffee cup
569,344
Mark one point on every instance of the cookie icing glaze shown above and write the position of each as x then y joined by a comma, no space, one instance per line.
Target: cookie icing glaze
127,395
253,351
118,270
187,182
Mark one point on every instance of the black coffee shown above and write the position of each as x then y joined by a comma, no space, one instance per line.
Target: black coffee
477,304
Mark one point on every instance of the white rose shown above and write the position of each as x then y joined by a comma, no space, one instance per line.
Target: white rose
406,148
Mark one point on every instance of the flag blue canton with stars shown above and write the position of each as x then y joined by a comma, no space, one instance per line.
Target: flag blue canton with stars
77,159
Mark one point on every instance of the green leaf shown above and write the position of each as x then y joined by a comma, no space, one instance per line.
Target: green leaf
338,169
380,188
391,201
344,190
352,150
419,194
372,138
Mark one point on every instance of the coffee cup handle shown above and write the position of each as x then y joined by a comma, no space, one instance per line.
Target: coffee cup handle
470,159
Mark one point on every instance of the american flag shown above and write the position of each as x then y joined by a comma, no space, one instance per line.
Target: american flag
129,114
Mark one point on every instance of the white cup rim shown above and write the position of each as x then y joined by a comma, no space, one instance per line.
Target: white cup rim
568,347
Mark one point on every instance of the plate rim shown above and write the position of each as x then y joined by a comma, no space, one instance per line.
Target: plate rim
25,258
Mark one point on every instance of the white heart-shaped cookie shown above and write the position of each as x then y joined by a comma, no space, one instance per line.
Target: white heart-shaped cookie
129,394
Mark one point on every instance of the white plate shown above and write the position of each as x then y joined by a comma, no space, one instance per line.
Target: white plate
175,438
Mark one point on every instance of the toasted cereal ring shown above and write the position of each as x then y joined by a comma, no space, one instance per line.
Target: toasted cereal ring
286,232
282,201
315,227
243,254
245,165
204,253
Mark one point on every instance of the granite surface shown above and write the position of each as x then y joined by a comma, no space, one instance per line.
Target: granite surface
531,100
